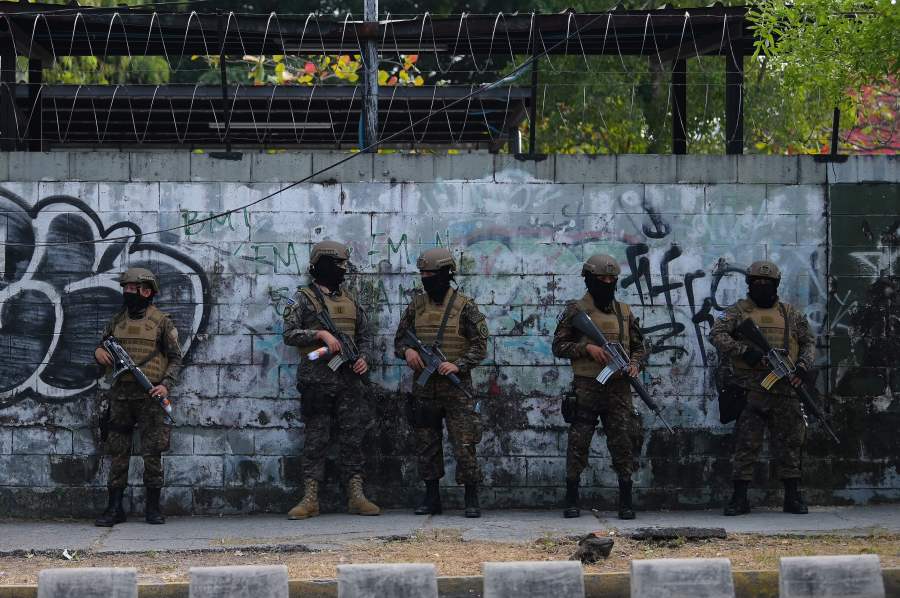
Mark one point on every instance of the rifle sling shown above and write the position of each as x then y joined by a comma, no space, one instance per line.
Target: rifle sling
439,338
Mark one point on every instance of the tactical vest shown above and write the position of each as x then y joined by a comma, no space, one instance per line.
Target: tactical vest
614,327
772,322
428,318
342,310
141,339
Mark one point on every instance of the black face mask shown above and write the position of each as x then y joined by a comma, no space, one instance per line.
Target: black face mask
765,293
135,303
327,273
437,284
602,292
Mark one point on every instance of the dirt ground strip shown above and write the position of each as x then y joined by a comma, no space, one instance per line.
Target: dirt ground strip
454,556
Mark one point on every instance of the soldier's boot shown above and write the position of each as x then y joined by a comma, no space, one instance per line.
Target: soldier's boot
626,510
309,504
152,513
431,504
793,501
738,505
571,511
114,512
357,503
473,510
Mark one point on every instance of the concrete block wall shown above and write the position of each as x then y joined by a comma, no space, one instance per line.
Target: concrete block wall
680,226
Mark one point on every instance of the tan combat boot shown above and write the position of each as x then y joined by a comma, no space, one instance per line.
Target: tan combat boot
358,504
309,504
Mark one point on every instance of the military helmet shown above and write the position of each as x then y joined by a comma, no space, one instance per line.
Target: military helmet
601,265
435,259
764,269
139,276
327,248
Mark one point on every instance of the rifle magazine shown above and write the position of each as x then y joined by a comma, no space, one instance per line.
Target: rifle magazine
770,380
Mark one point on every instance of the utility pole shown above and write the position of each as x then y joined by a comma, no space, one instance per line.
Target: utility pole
370,75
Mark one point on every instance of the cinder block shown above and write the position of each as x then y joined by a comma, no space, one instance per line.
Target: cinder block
4,166
100,166
682,578
249,472
810,172
220,441
239,582
24,470
39,166
42,441
286,167
206,168
508,168
706,169
842,172
88,582
193,471
129,197
161,166
877,169
767,169
5,441
831,577
354,167
585,168
468,166
379,581
536,579
400,168
639,168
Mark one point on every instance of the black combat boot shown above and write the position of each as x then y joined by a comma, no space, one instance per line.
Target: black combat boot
793,501
114,512
738,505
152,514
472,508
626,510
571,511
431,504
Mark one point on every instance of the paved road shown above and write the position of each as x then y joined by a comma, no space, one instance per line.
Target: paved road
335,530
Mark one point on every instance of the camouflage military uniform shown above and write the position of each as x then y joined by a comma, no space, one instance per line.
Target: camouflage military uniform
329,397
611,403
130,406
439,400
779,409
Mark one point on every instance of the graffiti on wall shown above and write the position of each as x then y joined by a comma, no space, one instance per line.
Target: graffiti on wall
58,289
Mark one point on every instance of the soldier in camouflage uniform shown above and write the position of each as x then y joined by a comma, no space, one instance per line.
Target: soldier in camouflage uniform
611,403
778,409
151,339
330,398
452,320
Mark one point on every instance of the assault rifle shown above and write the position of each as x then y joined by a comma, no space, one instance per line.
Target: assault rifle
349,352
782,367
124,363
619,363
433,357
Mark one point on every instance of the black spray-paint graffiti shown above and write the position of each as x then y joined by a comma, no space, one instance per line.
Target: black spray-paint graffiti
55,299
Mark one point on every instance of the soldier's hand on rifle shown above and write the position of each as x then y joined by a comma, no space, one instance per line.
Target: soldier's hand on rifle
599,354
414,360
159,391
333,344
360,367
799,376
633,369
103,357
446,368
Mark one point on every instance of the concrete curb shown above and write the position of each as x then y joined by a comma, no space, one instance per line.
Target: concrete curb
747,584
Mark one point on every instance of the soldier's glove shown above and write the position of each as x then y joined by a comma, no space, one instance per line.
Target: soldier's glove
752,356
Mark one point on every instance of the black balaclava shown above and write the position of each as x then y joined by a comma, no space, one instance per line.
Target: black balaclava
136,304
438,284
328,273
763,291
602,292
